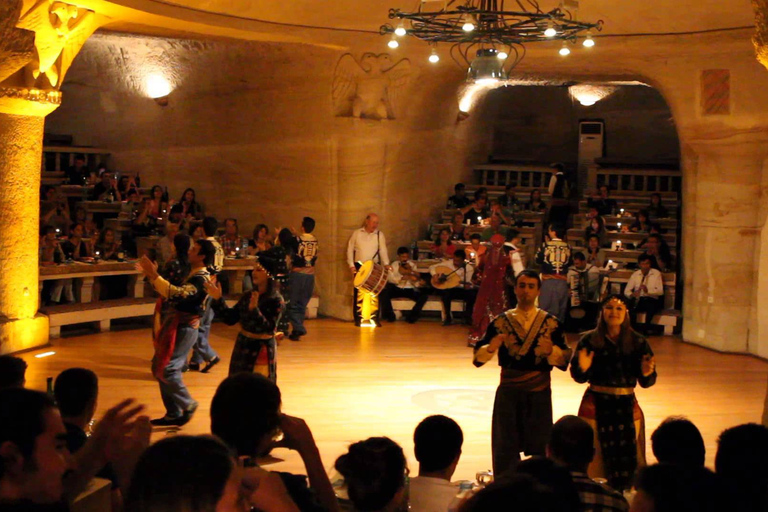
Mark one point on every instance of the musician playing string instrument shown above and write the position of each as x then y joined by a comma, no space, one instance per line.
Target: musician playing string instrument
453,280
365,244
404,281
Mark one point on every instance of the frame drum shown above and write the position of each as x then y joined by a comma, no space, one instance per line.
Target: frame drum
371,277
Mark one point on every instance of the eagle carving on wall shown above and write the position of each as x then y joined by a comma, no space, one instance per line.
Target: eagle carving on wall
373,88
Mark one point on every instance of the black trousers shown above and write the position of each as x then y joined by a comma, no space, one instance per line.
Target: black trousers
392,291
468,295
650,306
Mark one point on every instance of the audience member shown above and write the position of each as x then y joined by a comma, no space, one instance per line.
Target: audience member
741,464
476,249
645,289
555,477
509,200
106,246
658,249
155,210
477,211
458,227
302,279
459,198
656,209
437,444
495,228
595,254
165,248
58,213
261,240
12,372
374,471
185,473
464,290
196,230
187,209
535,204
443,248
642,222
50,249
672,488
78,173
231,242
75,247
571,444
602,201
515,491
596,227
404,281
678,441
245,414
106,189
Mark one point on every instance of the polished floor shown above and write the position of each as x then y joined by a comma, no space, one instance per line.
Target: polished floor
350,383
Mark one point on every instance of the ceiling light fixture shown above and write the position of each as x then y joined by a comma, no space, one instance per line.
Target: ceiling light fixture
474,25
434,58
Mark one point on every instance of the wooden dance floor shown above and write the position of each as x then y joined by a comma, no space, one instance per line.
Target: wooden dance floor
350,383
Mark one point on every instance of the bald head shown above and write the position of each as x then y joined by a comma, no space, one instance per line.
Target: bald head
371,222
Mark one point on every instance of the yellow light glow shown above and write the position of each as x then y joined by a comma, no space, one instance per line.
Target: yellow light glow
45,354
400,31
565,51
157,86
393,43
589,42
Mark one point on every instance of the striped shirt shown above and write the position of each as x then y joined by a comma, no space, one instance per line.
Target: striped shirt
597,497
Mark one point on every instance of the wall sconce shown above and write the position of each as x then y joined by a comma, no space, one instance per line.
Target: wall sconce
158,88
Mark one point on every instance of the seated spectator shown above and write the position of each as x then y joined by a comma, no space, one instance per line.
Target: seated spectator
741,463
404,281
509,200
185,473
232,243
595,254
642,222
507,216
245,414
477,211
156,209
108,249
459,198
12,372
196,231
51,253
596,227
261,240
602,201
555,477
165,248
672,488
591,214
90,229
81,215
661,256
106,189
656,210
678,441
78,173
495,228
522,490
57,217
76,391
645,289
437,444
187,210
50,249
75,247
107,246
443,248
572,444
481,192
374,471
458,227
535,204
476,249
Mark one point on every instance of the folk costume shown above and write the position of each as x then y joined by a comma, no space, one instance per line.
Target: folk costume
302,282
175,332
202,352
609,404
255,347
491,298
554,259
532,343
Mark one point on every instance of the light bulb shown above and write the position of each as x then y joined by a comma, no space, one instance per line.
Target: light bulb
502,55
565,50
393,43
157,86
589,42
469,24
434,58
550,31
400,31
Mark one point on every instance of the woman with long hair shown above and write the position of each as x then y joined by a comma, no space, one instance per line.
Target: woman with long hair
258,311
642,222
261,240
613,359
443,248
535,204
491,299
187,209
596,227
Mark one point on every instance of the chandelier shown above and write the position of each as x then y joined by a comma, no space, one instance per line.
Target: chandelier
485,36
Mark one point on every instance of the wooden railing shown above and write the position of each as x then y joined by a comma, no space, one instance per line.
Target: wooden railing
646,180
522,176
60,158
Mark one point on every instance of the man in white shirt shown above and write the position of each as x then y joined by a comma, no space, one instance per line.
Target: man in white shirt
404,281
646,289
465,290
437,445
366,243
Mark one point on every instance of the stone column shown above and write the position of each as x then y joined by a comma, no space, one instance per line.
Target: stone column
38,41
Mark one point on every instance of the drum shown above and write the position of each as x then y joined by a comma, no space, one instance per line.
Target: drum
371,277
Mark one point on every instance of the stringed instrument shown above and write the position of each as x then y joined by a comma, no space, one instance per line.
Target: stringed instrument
412,276
445,277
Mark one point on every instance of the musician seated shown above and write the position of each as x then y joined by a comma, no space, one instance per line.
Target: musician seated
476,249
646,290
584,283
453,281
404,281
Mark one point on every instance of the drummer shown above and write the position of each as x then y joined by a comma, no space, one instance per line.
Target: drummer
453,281
366,244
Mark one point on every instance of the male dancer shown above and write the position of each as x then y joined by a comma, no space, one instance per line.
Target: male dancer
202,351
302,278
554,257
175,337
529,342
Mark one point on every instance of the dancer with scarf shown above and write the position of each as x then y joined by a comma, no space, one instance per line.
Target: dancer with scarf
258,311
175,336
491,299
614,358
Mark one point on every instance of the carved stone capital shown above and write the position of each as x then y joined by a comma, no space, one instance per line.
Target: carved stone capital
760,39
24,101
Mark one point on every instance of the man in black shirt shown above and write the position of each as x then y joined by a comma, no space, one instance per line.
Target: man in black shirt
459,199
78,174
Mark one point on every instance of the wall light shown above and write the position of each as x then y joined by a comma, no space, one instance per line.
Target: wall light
158,88
45,354
589,94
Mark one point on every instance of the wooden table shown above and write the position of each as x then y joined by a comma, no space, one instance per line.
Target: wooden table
236,269
86,273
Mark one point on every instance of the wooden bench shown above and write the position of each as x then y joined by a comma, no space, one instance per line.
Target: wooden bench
669,225
84,275
99,313
403,305
624,238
